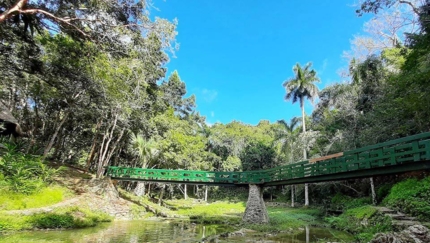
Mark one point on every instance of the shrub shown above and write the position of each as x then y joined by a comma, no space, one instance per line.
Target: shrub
363,222
411,196
23,173
52,221
340,201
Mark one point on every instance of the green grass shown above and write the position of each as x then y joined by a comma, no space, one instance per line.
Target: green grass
216,212
282,218
47,196
68,217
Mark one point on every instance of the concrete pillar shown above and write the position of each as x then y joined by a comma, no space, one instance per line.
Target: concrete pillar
255,211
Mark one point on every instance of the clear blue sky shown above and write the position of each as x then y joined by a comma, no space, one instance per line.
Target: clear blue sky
235,54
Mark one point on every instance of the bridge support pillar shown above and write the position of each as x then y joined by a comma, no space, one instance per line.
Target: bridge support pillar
255,211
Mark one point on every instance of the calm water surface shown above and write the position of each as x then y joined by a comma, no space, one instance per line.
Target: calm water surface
167,232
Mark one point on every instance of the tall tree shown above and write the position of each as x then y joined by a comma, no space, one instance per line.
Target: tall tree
300,87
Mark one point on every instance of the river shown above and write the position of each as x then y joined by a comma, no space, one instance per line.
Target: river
173,231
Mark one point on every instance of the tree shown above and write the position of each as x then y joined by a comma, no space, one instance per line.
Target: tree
113,23
145,152
257,156
299,88
287,137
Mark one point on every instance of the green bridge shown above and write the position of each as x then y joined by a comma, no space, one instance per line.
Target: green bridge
395,156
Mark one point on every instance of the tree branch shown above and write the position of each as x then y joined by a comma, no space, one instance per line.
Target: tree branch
18,6
55,18
415,9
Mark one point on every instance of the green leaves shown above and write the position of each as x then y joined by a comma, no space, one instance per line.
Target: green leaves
24,173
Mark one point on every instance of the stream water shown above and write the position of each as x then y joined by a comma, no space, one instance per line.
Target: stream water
168,231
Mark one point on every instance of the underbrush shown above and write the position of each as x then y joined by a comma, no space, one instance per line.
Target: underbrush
22,172
230,194
69,217
363,222
343,202
411,196
143,207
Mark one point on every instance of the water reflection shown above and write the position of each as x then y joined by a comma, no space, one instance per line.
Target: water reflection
166,231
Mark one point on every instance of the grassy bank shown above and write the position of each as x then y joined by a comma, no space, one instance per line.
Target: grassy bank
61,218
10,200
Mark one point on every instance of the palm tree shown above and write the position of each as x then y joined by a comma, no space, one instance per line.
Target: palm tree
299,88
145,152
287,137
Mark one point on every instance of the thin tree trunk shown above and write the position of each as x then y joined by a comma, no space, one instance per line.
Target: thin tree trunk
372,187
206,193
292,196
93,147
104,148
305,157
160,197
185,192
54,136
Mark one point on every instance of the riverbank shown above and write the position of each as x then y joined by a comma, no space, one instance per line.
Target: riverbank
76,200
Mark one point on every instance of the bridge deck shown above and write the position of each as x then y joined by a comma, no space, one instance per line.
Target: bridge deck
395,156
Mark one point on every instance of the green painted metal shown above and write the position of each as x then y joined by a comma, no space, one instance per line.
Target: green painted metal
400,155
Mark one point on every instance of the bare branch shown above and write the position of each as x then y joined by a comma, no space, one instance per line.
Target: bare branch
55,18
18,6
415,9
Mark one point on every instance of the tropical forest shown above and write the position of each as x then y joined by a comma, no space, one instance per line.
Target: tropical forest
101,140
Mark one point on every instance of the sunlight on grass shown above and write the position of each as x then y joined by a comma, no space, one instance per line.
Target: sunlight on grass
213,209
45,197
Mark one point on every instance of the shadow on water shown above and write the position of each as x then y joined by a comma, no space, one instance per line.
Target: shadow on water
165,231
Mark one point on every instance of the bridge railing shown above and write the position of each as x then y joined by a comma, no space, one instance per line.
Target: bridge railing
172,175
395,152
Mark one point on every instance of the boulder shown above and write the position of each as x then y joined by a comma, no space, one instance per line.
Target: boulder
8,124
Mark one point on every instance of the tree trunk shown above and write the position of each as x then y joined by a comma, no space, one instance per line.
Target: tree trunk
185,192
305,157
206,193
140,189
292,196
54,136
93,147
160,197
372,187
